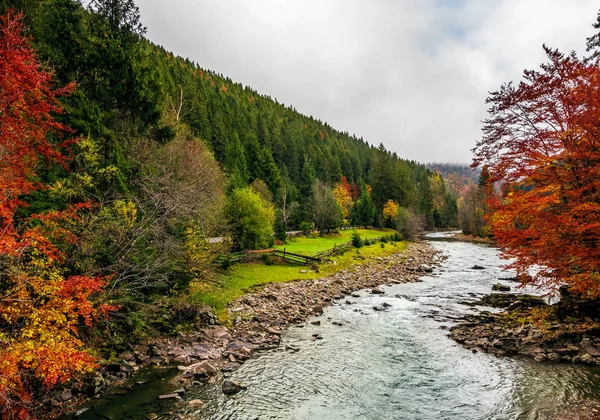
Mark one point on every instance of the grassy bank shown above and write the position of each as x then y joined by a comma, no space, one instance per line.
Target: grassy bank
309,246
235,281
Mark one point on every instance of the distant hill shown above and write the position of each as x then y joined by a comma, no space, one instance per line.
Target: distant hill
458,175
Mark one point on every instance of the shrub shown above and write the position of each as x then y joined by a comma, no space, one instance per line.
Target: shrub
408,224
357,241
226,263
305,227
251,219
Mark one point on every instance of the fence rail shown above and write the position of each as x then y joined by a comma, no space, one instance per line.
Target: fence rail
286,255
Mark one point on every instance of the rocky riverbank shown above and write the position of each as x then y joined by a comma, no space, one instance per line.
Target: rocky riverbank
259,317
566,332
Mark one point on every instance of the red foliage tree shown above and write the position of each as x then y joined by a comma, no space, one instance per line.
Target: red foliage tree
41,306
542,143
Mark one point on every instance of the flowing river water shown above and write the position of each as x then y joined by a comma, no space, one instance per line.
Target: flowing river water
393,364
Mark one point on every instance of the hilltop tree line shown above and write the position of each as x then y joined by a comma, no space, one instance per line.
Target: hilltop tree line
118,162
129,87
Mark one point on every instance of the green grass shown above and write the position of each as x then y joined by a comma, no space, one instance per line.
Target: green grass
240,278
309,246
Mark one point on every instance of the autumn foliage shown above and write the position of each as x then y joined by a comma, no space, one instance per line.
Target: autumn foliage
41,305
390,211
343,195
542,144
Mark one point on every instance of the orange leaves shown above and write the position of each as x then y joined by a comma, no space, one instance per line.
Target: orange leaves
542,142
41,306
343,196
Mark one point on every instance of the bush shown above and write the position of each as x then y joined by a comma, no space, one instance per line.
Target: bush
305,227
280,233
226,263
408,224
357,241
251,219
267,260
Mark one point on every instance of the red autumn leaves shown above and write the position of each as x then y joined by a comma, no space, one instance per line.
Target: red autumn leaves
542,143
42,306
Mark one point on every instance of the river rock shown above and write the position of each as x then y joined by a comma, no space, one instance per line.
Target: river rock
384,306
195,403
273,331
231,387
66,396
81,411
587,346
499,287
478,267
554,357
173,395
426,268
128,367
587,359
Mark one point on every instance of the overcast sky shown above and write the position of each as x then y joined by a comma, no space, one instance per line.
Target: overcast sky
411,74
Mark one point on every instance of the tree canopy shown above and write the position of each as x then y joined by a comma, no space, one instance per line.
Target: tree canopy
542,143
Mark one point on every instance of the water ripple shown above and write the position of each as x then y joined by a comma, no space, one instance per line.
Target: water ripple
399,363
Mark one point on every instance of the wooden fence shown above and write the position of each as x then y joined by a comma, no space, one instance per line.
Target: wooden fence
288,256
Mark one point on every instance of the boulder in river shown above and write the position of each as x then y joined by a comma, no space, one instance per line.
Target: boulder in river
478,267
425,268
499,287
384,306
232,387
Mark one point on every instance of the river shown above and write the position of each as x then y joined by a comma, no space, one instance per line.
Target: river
392,364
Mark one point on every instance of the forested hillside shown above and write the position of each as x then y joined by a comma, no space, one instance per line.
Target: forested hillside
457,175
126,86
120,160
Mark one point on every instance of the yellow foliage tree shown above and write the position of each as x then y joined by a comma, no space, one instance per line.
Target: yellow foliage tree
343,197
390,211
